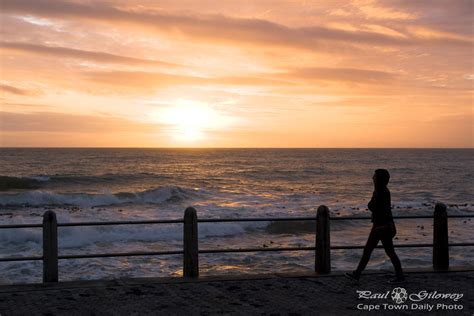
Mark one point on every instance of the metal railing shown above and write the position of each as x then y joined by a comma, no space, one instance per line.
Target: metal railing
191,250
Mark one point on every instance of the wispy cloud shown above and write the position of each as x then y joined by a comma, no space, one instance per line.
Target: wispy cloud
80,54
18,91
71,123
145,80
211,27
341,74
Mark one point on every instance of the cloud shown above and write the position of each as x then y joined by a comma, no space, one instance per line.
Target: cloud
141,79
373,9
216,28
451,16
80,54
341,74
293,77
70,123
147,80
339,12
17,91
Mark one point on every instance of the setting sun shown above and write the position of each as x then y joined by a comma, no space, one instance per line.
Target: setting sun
189,120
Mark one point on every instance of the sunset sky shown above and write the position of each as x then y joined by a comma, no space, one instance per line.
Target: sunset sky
270,73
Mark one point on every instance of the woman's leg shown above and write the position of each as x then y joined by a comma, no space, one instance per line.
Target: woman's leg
387,243
372,242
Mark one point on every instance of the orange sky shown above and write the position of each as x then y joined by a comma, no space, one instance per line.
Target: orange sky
269,73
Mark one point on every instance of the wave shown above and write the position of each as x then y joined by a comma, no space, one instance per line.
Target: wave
101,178
153,196
72,237
9,183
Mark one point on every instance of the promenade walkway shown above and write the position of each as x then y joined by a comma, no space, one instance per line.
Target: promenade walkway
258,295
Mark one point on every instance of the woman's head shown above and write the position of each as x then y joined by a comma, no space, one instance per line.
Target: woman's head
381,177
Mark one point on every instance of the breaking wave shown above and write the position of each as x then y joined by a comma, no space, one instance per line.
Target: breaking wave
38,197
73,237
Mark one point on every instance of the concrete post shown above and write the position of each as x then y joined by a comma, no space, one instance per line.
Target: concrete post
50,247
191,256
323,243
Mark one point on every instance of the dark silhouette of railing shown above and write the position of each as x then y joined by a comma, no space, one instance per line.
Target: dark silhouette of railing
191,250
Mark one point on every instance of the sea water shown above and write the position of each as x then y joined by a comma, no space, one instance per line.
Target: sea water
145,184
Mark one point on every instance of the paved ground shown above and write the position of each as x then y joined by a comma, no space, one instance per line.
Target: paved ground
260,295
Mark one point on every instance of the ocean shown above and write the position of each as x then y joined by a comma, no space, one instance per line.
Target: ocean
142,184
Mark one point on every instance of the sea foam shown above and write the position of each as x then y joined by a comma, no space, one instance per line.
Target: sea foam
74,237
39,197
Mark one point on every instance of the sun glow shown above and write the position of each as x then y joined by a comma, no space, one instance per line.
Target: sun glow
190,120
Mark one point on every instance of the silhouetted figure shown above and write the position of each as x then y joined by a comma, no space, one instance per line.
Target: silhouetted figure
383,227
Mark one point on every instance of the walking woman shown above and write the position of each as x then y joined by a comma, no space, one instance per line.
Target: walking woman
383,228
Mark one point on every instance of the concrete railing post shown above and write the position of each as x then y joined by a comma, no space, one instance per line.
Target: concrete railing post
323,243
440,238
190,244
50,247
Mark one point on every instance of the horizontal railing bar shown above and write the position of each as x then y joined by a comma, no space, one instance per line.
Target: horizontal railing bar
21,226
171,221
122,254
380,246
460,244
257,249
218,220
405,246
397,217
164,221
255,219
20,259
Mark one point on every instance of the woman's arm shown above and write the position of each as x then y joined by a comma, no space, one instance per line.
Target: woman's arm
372,203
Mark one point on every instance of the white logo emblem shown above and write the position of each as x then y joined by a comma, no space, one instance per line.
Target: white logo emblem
399,295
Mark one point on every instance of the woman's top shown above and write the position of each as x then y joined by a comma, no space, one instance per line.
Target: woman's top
381,207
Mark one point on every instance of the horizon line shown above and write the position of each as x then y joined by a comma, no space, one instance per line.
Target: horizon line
113,147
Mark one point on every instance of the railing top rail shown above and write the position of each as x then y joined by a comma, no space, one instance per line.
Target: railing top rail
256,219
222,220
122,254
158,221
21,226
25,258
